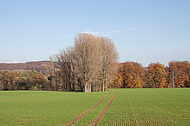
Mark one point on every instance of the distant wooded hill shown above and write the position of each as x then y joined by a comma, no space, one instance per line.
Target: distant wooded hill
35,65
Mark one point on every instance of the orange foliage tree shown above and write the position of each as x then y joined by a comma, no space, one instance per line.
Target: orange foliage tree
39,82
8,80
181,72
156,76
130,75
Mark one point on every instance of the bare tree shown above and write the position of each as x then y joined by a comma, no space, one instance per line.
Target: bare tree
53,60
109,60
87,51
65,61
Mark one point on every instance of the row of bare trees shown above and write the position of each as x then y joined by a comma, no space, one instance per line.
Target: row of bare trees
89,65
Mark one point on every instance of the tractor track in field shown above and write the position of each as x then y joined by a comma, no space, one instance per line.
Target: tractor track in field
99,117
79,117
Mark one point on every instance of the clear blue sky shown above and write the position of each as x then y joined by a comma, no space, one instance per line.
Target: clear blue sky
144,31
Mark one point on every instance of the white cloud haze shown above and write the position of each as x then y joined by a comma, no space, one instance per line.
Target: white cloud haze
99,33
13,61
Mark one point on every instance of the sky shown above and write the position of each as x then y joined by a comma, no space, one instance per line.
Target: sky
144,31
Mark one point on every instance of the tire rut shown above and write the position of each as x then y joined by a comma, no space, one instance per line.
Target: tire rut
99,117
79,117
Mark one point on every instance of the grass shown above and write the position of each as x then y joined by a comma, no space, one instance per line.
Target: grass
130,107
44,107
149,107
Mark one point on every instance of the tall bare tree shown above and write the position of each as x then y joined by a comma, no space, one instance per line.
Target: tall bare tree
109,60
53,60
65,61
87,51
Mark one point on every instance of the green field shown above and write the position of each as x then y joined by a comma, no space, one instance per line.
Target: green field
130,107
149,107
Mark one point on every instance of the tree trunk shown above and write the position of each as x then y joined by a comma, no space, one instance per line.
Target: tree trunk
87,87
66,84
106,84
73,86
70,81
103,86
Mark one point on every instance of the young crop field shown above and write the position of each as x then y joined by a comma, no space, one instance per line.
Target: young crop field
154,107
129,107
44,107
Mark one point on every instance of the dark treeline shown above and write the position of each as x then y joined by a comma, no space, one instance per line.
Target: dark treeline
28,80
156,75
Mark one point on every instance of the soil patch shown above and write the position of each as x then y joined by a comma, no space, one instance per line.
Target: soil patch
25,120
3,116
